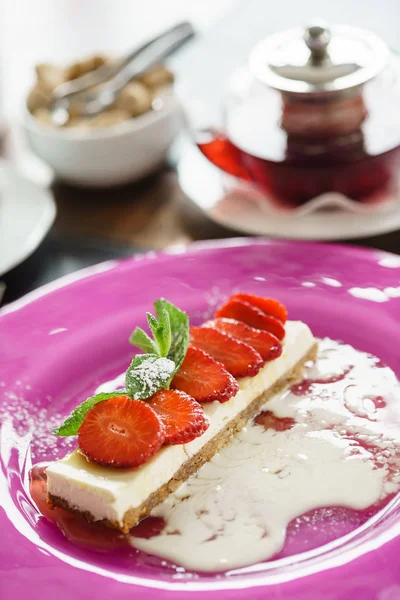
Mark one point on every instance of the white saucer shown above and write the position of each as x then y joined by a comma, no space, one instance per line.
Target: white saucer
239,210
27,212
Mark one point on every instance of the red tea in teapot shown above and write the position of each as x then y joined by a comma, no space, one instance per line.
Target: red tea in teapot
293,169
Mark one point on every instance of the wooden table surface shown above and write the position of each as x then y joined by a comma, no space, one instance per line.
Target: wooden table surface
151,214
155,213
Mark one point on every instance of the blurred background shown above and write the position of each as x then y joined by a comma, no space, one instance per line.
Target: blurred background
62,31
51,225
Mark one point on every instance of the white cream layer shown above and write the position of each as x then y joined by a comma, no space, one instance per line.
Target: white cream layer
107,493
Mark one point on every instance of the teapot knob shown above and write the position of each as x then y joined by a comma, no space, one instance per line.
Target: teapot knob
317,37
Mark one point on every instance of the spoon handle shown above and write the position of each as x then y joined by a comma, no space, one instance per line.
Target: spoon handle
154,52
133,64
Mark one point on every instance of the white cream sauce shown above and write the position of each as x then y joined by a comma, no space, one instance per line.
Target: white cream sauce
339,445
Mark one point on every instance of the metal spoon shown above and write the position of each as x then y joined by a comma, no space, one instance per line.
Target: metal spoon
115,77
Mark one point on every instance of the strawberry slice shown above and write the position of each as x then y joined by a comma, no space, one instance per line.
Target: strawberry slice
203,378
240,359
121,432
251,315
268,305
266,344
183,417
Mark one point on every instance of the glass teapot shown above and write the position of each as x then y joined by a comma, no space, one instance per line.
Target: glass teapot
316,110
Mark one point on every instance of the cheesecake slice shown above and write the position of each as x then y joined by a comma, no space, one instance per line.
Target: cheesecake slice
122,497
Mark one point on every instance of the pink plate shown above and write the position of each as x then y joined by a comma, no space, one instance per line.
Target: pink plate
58,343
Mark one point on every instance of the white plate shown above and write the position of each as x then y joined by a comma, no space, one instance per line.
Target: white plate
27,212
203,183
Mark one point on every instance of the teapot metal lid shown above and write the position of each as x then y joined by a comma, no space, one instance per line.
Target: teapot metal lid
319,60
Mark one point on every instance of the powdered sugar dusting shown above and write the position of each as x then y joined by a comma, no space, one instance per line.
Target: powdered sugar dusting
26,415
215,297
149,375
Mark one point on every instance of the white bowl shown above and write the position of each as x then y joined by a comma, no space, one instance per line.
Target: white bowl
108,156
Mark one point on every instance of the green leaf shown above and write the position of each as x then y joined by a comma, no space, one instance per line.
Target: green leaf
163,334
179,330
143,341
153,324
147,374
72,423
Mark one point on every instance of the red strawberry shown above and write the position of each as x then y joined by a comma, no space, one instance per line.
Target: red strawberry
251,315
266,344
240,359
183,417
203,378
121,432
268,305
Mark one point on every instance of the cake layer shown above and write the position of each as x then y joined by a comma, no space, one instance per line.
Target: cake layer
123,497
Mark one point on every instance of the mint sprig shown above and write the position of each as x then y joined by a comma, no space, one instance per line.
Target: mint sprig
148,372
74,421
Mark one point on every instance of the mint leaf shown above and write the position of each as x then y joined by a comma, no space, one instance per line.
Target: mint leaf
143,341
147,374
161,330
72,423
163,333
153,324
179,321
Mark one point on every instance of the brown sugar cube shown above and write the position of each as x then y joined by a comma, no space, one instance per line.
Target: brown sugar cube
43,115
91,64
135,98
82,67
105,119
49,75
75,108
158,76
72,72
38,97
98,61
